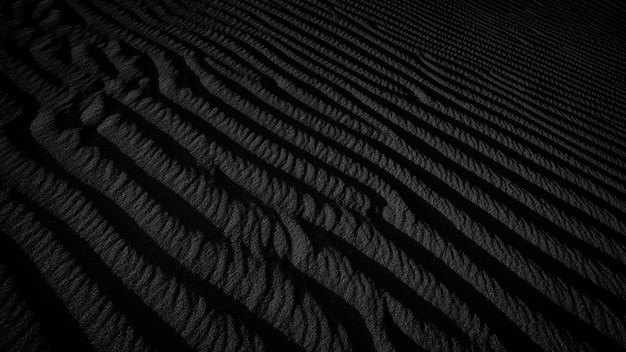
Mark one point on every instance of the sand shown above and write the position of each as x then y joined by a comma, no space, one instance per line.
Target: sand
295,175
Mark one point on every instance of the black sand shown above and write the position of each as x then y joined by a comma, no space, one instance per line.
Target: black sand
312,175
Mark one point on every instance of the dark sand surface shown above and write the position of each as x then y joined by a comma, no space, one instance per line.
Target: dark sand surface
292,175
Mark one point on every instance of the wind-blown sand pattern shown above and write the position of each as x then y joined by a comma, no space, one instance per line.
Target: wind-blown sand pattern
295,175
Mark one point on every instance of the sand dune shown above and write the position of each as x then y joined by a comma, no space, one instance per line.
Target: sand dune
312,175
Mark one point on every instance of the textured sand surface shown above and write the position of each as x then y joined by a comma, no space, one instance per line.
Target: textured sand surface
295,175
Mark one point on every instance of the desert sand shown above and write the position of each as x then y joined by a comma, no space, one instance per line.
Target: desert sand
293,175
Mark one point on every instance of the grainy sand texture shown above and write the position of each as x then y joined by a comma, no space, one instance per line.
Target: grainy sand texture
291,175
